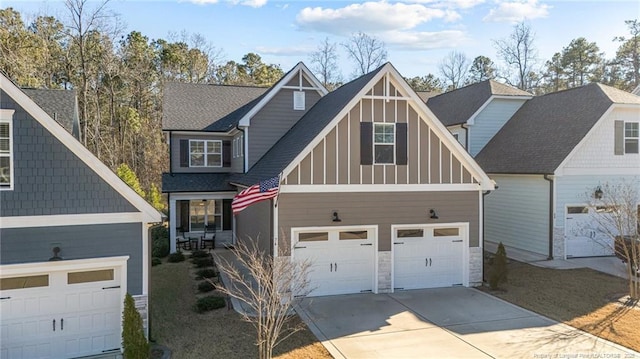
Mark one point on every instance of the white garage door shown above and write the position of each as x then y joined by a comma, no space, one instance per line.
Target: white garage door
586,237
341,259
60,313
427,256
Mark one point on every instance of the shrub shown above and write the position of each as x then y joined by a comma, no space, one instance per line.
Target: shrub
160,241
176,257
498,270
206,286
155,261
199,254
202,262
134,343
206,273
211,302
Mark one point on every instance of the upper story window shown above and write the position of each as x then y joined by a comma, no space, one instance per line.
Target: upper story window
383,142
6,150
631,137
205,153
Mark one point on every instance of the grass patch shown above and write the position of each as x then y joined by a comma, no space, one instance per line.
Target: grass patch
206,273
582,298
205,287
202,262
155,261
176,257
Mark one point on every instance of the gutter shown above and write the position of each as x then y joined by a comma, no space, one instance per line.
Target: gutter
465,126
550,256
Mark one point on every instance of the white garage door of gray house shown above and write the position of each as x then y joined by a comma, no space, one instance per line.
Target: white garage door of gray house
342,259
62,309
585,236
430,256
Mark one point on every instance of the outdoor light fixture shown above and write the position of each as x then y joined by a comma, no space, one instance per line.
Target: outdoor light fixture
433,213
334,217
598,193
56,256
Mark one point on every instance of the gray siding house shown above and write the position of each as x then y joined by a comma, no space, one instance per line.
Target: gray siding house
374,190
74,236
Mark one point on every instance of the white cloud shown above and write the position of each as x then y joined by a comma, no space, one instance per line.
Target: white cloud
450,4
285,51
370,17
515,11
417,40
203,2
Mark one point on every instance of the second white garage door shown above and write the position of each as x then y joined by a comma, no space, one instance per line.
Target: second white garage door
342,259
429,256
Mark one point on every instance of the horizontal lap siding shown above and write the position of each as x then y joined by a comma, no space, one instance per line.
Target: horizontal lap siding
28,245
383,209
490,121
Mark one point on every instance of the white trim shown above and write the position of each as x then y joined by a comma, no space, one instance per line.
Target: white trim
70,220
145,260
11,270
302,88
205,153
150,214
6,116
246,119
274,207
379,188
620,171
246,150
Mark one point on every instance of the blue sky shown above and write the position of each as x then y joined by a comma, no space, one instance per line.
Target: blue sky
418,33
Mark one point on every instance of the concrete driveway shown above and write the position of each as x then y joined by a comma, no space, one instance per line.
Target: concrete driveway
444,323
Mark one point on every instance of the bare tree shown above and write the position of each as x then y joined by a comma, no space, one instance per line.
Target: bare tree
519,53
616,215
270,288
366,51
324,63
453,69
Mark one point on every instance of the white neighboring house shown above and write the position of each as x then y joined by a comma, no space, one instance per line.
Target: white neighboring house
474,113
554,153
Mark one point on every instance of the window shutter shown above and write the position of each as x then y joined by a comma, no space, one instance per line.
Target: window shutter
226,153
184,153
618,130
366,143
401,143
226,214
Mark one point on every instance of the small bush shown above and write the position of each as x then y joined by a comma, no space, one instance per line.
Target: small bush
176,257
498,270
206,286
160,241
155,261
134,343
199,254
212,302
206,273
202,262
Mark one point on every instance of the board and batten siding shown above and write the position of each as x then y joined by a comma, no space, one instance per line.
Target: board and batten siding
175,153
380,208
35,244
336,159
253,224
49,179
596,153
274,120
517,213
489,121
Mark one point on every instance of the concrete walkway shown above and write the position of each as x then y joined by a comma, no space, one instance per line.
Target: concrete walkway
453,322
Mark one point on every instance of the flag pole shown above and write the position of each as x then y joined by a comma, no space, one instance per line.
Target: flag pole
275,202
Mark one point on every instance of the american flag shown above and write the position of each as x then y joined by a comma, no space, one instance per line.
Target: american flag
266,189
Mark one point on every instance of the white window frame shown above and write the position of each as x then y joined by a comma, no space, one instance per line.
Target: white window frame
299,100
6,116
208,217
205,153
393,145
636,138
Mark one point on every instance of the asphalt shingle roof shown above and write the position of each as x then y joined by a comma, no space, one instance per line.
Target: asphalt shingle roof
457,106
196,182
542,133
303,132
59,104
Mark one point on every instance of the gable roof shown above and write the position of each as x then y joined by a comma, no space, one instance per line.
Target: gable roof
61,105
458,106
543,132
149,214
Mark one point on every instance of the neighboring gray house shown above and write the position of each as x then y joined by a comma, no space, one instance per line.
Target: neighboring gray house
553,154
373,188
74,238
475,113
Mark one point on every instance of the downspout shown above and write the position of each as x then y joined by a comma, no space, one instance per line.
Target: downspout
550,257
466,139
484,279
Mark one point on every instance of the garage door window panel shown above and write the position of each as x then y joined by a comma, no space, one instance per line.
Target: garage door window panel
446,232
410,233
90,276
33,281
349,235
577,210
313,237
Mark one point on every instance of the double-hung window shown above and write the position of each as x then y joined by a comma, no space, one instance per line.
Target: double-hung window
6,153
384,139
205,153
631,137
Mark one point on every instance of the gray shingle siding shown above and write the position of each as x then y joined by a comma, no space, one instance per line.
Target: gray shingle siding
28,245
49,178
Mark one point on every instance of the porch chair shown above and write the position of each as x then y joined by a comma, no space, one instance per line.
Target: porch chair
209,237
182,242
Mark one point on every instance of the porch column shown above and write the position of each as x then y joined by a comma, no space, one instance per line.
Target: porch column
172,225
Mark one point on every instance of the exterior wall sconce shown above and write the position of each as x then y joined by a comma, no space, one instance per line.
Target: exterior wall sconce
334,217
56,256
598,193
433,214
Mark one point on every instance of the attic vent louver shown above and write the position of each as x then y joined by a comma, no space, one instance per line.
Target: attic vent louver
298,100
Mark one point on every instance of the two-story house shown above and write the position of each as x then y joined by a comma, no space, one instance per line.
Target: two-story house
373,189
